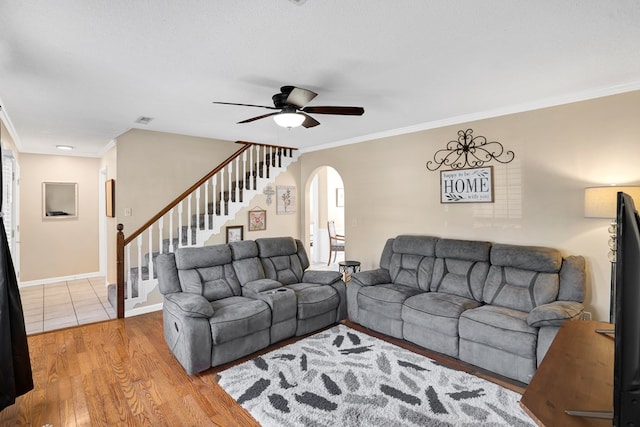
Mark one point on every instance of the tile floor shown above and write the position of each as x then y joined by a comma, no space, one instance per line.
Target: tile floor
63,304
78,302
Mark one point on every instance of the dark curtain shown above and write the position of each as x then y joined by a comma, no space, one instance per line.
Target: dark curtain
15,366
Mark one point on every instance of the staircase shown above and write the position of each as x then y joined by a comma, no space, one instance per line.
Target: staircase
192,218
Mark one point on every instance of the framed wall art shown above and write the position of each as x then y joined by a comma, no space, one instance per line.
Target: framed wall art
257,220
467,185
235,233
110,197
285,200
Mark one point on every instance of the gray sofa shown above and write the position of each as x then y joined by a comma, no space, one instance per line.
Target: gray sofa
495,306
224,302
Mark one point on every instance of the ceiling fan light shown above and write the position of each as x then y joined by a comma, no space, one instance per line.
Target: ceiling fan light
289,120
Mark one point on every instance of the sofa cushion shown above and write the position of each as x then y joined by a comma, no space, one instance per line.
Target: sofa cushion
243,249
387,298
554,314
211,282
168,280
314,299
200,257
499,327
276,246
437,311
280,259
207,271
572,279
519,289
468,250
190,305
535,258
236,317
411,262
260,285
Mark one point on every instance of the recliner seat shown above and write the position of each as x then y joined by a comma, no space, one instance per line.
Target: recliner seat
492,305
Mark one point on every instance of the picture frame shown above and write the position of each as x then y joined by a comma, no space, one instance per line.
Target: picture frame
285,200
257,220
340,197
235,233
109,194
474,185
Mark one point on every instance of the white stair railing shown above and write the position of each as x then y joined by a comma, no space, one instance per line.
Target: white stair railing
210,203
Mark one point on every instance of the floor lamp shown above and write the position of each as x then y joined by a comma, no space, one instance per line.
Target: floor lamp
601,202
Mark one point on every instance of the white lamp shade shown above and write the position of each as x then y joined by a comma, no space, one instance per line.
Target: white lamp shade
601,202
289,120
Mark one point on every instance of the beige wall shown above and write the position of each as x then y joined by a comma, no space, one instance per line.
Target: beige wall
109,163
156,167
277,225
53,248
539,196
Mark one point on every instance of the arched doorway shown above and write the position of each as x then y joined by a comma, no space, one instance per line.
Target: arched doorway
326,203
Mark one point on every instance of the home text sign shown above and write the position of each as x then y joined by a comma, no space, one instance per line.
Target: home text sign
467,185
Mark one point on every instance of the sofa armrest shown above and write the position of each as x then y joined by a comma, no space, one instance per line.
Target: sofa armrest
321,277
256,286
191,305
371,277
554,313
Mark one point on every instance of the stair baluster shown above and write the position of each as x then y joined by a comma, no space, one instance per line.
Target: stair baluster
171,247
150,255
223,197
206,206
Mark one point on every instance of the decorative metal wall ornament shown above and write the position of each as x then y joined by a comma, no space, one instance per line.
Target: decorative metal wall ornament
469,151
268,191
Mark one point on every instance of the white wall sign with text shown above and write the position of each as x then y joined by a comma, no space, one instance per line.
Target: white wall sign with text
467,185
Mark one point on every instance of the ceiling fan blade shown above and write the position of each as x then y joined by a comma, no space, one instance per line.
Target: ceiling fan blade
343,111
258,117
309,121
300,97
246,105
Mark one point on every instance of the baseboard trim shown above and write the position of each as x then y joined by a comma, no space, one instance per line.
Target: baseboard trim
58,279
143,310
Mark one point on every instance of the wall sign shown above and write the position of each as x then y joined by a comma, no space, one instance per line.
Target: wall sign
467,185
285,200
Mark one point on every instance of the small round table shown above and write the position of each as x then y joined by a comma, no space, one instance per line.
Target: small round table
347,268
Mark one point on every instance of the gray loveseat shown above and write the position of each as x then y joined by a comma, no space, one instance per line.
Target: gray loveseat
224,302
495,306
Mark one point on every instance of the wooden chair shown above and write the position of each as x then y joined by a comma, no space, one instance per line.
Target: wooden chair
336,241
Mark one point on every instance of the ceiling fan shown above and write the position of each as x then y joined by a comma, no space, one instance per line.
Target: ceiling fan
292,111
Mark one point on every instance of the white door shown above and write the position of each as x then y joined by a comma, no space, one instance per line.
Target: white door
10,205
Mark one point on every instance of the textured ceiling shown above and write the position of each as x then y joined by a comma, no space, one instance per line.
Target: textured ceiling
81,72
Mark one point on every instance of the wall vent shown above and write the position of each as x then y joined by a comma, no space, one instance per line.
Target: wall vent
143,120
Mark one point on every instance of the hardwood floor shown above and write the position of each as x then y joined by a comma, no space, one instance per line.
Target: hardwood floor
121,372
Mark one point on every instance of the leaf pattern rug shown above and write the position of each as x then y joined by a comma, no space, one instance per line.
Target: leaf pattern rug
345,378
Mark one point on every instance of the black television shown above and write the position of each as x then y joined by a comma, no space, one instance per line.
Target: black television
625,314
626,292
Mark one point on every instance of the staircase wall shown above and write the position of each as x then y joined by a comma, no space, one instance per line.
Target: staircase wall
277,225
159,166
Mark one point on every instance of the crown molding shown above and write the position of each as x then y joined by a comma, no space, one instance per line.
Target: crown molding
9,126
512,109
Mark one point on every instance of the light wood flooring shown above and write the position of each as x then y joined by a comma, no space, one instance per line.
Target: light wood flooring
121,373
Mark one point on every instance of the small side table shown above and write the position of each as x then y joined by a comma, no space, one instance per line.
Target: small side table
347,268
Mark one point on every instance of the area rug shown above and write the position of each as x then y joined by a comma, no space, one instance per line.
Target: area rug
344,378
